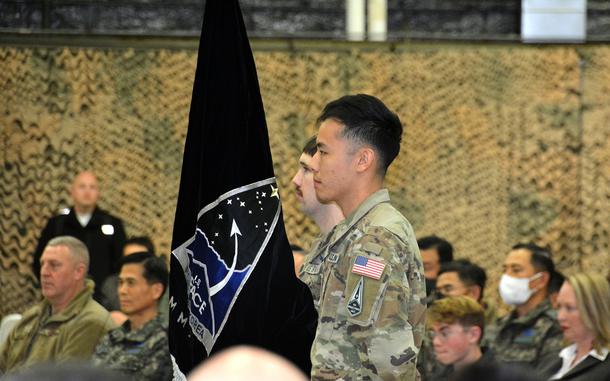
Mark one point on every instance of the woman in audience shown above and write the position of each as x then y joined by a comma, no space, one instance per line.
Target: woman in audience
584,316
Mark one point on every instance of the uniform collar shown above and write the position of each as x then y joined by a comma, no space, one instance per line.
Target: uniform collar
124,332
76,305
369,203
533,315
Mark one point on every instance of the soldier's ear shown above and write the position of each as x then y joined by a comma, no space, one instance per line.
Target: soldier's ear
365,159
157,290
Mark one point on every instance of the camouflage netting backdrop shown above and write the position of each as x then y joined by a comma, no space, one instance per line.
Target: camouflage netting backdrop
502,143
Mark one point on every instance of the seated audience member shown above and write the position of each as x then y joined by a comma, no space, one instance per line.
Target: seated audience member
584,315
462,277
68,323
457,278
244,363
139,348
434,252
101,232
556,282
66,372
456,324
109,294
530,332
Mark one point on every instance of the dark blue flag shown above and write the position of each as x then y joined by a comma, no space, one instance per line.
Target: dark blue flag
232,275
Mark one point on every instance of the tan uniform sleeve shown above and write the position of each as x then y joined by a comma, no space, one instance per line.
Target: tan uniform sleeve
388,331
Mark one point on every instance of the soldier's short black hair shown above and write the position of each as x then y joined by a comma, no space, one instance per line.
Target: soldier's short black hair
142,241
469,273
367,120
541,259
442,246
310,147
155,268
556,281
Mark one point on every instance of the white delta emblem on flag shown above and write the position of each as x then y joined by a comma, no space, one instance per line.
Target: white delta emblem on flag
232,233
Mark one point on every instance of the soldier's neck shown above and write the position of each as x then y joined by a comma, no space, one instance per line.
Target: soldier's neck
533,302
138,319
329,216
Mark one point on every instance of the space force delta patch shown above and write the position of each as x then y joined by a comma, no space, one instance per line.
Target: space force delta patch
232,233
368,267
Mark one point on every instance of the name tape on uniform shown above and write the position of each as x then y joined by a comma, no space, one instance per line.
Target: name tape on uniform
368,267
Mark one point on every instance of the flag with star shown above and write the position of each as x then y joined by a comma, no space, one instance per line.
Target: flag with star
232,275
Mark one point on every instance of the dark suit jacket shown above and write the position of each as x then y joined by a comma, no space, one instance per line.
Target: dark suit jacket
590,369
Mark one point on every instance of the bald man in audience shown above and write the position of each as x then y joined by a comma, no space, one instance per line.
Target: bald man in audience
101,232
68,323
245,363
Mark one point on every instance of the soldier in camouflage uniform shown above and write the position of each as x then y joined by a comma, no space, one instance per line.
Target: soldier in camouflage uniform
366,275
529,333
139,348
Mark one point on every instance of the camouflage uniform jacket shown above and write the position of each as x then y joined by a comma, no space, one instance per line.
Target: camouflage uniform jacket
528,339
71,334
370,326
142,354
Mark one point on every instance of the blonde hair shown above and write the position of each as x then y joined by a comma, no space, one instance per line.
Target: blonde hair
593,300
457,309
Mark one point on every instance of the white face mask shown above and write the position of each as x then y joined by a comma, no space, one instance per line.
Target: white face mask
516,291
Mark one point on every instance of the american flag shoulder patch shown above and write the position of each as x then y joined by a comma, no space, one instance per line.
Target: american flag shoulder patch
368,267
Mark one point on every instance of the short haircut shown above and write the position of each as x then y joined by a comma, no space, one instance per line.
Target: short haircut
142,241
593,301
442,246
154,268
311,147
557,280
367,121
462,310
541,258
76,247
469,273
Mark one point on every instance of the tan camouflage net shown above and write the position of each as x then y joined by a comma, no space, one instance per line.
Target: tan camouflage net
503,143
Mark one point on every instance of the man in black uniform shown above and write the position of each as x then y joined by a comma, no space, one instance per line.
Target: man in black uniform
103,233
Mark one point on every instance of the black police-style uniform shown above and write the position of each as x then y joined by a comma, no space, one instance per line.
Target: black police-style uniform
105,243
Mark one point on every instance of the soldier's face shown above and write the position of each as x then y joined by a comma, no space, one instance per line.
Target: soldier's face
60,274
335,164
136,295
432,263
453,343
568,315
450,284
303,186
85,190
518,264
